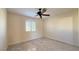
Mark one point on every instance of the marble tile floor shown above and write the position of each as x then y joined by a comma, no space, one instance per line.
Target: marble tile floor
42,44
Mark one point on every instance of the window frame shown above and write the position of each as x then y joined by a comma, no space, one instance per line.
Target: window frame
30,26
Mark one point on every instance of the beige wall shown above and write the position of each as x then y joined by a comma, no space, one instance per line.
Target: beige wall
16,29
3,28
63,27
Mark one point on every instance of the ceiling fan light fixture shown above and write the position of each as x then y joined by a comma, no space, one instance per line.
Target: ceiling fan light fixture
41,12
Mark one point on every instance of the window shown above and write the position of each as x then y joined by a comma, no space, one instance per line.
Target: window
30,26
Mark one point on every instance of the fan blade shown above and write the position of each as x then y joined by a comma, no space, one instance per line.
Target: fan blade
45,14
44,10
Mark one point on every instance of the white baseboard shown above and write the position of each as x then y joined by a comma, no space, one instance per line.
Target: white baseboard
61,41
17,42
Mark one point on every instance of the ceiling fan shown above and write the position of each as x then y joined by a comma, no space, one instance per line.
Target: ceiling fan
41,12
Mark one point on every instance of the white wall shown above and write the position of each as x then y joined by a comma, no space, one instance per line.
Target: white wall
3,28
16,29
77,22
62,27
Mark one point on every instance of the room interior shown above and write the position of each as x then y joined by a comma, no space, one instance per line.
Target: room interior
22,30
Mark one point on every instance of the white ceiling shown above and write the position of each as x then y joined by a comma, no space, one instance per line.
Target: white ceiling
31,12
